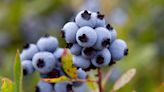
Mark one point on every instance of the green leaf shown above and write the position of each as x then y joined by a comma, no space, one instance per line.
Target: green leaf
67,64
18,73
7,85
107,76
124,79
54,80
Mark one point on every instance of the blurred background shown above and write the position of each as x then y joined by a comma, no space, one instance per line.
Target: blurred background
139,22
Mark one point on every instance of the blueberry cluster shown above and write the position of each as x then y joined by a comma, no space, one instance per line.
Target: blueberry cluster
45,58
93,43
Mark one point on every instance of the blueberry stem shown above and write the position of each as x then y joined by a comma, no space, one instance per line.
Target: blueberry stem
99,82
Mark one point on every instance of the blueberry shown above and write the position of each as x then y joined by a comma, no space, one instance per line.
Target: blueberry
44,87
63,87
28,52
112,32
84,18
81,88
27,67
81,62
88,52
47,43
58,63
103,38
58,54
101,58
44,62
99,19
86,36
81,74
75,49
69,32
118,49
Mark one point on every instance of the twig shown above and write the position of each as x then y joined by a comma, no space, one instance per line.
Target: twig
100,80
71,80
81,80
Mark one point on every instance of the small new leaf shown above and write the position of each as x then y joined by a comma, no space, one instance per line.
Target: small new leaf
124,79
7,85
67,64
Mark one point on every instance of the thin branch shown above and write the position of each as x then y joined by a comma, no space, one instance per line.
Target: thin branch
100,80
81,80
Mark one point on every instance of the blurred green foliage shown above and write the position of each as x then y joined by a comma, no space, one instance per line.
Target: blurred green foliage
142,29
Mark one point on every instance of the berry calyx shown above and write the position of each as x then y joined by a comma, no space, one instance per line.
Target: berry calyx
106,43
26,46
40,63
83,38
108,26
100,16
100,59
46,35
86,15
126,52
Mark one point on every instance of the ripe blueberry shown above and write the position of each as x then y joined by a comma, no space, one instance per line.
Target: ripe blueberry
27,67
75,49
86,36
44,62
84,18
99,19
118,49
112,32
81,62
47,43
88,52
44,87
101,58
81,74
58,54
28,52
63,87
69,32
81,88
103,38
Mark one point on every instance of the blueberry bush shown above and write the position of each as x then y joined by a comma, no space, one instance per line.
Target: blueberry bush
89,56
93,45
